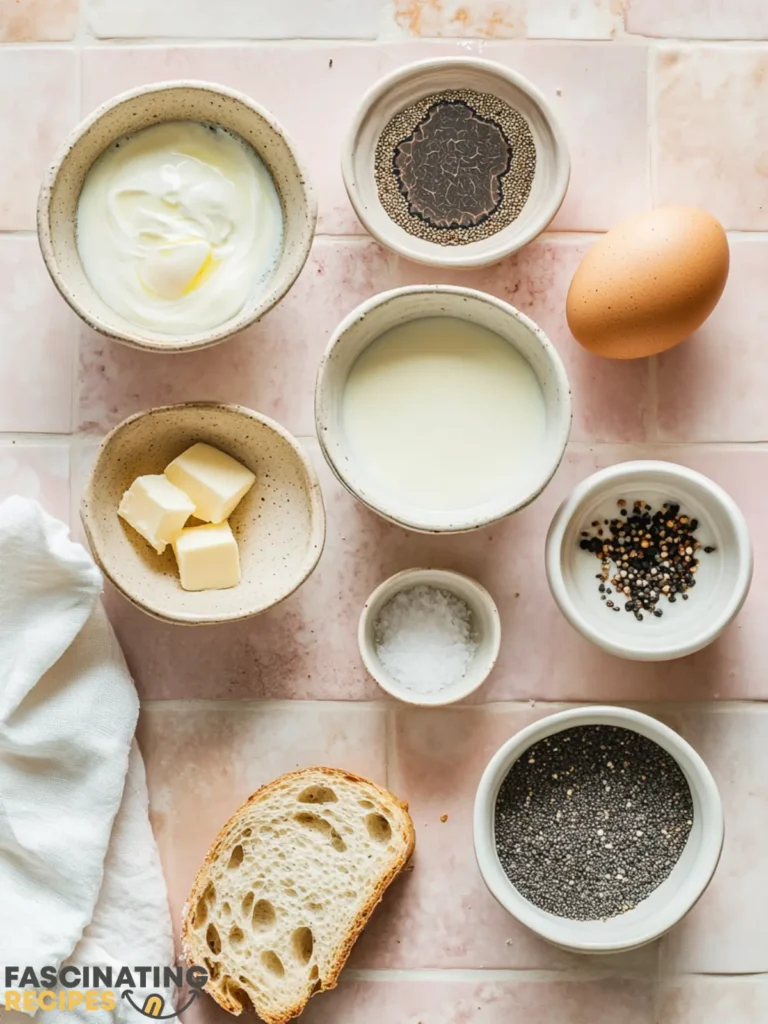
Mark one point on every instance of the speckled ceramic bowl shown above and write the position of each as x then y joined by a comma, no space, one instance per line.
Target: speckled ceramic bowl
412,83
279,524
140,108
390,309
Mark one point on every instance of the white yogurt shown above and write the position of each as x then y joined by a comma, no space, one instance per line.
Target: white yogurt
440,412
178,226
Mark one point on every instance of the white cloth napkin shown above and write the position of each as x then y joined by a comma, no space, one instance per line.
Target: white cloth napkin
80,875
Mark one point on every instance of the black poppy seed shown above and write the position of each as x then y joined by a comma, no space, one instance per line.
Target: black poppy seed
599,805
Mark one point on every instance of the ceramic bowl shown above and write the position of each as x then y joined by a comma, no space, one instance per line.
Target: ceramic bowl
722,579
140,108
408,85
390,309
668,904
486,628
279,524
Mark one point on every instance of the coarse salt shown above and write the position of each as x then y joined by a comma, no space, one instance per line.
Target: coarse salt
424,638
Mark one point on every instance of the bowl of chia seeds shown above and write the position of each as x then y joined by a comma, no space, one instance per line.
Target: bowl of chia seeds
598,828
455,162
649,560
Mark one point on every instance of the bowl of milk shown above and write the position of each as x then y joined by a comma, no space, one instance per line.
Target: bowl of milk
442,409
175,215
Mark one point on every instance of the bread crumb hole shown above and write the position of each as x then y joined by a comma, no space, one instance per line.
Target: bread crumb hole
318,824
212,939
246,833
272,962
264,915
247,903
378,828
201,913
289,891
226,909
366,804
235,858
314,972
303,943
314,907
318,795
236,935
213,967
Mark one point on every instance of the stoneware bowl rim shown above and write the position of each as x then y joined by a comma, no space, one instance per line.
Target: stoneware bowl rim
316,544
448,578
452,256
547,925
213,336
562,429
742,554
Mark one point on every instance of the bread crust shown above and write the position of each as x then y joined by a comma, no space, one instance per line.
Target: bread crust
188,937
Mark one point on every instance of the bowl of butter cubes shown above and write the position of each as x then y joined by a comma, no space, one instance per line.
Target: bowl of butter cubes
203,513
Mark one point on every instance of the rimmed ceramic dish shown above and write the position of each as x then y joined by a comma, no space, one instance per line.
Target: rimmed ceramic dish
668,904
279,524
409,84
486,629
381,313
723,576
128,113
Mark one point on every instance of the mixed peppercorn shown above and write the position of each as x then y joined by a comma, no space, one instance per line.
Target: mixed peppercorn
646,556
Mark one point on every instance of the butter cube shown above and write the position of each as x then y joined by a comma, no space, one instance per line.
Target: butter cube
208,557
156,509
213,480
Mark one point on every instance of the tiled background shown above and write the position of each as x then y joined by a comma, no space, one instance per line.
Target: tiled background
662,101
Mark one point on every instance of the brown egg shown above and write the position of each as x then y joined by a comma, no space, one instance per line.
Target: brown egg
648,283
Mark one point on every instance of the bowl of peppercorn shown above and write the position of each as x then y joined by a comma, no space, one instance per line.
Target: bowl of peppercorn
598,828
649,560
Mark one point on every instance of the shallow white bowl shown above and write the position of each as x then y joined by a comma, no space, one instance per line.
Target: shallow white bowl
408,85
140,108
486,626
376,316
666,905
722,580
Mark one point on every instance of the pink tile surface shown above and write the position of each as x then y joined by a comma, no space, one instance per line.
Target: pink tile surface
441,1000
233,19
598,92
23,21
726,932
36,471
204,759
39,341
722,366
692,19
713,1001
32,130
710,125
508,19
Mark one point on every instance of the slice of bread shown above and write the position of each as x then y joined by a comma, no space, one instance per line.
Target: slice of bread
288,886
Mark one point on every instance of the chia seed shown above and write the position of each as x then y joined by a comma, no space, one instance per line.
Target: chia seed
590,821
455,167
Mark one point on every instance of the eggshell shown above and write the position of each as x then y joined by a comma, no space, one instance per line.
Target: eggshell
649,283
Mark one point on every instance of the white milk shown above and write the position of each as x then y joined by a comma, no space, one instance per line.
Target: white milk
440,412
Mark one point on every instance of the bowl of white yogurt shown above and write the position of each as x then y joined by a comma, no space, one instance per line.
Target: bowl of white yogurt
443,409
175,215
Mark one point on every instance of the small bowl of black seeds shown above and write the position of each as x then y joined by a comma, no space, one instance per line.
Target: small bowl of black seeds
598,828
455,162
649,560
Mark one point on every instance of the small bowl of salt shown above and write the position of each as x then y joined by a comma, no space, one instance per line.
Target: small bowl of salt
429,636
